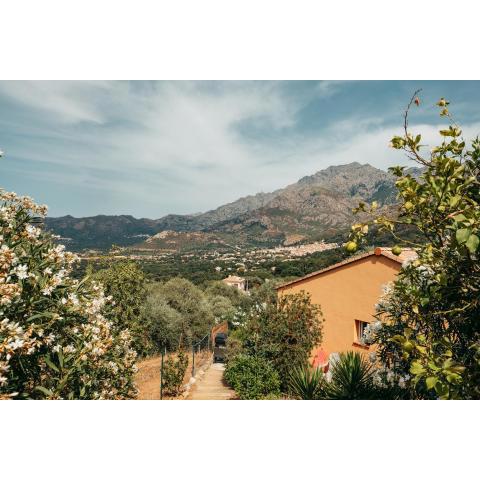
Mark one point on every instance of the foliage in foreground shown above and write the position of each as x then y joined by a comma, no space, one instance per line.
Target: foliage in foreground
429,320
252,377
55,341
306,383
350,377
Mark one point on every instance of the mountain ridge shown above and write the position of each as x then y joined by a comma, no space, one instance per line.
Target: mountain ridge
314,207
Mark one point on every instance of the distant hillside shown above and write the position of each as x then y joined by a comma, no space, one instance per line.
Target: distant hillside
317,206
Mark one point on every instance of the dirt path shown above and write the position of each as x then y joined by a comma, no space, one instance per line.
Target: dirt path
211,386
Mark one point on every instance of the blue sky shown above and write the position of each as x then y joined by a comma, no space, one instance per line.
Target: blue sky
152,148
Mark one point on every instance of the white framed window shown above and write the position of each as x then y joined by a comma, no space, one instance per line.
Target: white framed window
360,327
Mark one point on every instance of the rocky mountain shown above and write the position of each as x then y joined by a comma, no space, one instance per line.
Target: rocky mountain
317,206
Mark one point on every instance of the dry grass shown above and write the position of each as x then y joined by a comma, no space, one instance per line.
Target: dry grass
147,378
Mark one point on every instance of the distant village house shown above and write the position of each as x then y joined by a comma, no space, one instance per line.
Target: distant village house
234,281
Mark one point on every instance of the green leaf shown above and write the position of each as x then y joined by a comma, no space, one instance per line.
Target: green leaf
431,382
424,301
454,201
421,349
472,243
432,366
454,378
442,390
416,368
60,358
459,218
45,391
49,362
397,339
462,235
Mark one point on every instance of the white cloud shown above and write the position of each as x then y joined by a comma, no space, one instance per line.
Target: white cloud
179,147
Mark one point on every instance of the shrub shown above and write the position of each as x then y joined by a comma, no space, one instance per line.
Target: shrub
234,345
125,282
252,378
351,378
174,372
306,382
284,331
55,340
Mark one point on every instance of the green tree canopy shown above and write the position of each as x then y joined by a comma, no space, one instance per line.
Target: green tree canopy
125,282
284,330
190,302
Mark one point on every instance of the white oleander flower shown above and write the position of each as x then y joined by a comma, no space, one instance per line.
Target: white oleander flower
21,271
32,232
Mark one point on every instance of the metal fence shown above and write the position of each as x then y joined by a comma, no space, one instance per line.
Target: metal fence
204,344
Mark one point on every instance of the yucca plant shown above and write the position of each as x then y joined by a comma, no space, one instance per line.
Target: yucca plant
306,383
351,379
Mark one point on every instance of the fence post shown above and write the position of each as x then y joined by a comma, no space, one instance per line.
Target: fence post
193,360
161,377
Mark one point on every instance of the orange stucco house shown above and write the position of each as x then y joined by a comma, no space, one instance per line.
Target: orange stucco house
347,293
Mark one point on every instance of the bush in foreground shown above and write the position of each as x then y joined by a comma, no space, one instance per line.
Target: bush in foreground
55,341
306,383
252,378
429,319
350,377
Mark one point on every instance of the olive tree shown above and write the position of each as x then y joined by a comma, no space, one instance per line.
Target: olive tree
192,305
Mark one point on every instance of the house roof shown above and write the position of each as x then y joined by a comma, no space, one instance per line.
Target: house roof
233,279
406,254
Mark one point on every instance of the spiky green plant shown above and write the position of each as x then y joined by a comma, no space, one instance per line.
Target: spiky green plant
306,382
351,379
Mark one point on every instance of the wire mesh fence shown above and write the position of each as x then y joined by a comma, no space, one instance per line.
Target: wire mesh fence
195,357
202,345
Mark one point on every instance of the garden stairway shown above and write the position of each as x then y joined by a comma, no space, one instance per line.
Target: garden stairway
211,386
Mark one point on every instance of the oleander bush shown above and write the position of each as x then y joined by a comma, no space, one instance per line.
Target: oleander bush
253,378
56,340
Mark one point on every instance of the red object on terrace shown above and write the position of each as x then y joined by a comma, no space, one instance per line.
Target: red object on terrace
320,359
